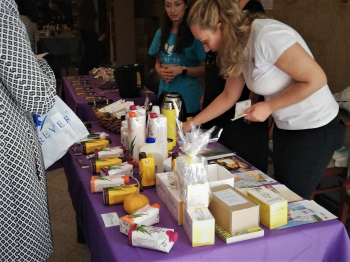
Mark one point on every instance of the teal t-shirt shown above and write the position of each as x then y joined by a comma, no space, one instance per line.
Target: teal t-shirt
189,87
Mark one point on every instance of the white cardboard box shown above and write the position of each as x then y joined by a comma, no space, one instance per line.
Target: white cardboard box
218,175
199,225
167,165
174,204
169,194
164,180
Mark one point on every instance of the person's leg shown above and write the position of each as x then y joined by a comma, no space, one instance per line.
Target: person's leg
249,141
301,156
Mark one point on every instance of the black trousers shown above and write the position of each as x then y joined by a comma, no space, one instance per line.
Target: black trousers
301,156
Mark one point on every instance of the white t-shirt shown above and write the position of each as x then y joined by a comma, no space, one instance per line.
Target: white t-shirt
267,41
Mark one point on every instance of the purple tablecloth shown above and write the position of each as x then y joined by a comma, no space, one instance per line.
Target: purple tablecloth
324,241
81,107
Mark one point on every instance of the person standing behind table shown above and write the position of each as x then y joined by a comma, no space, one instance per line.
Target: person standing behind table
179,56
86,19
249,140
274,61
29,16
27,86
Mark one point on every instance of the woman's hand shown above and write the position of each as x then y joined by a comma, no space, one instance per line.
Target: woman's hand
258,112
169,72
186,126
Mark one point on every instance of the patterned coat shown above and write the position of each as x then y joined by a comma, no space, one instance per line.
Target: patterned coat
27,86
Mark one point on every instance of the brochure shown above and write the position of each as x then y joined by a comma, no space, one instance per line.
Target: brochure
252,178
232,163
239,236
240,108
306,212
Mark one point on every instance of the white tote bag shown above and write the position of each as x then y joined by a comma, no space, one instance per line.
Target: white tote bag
59,129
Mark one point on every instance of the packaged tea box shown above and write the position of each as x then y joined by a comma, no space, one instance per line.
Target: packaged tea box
97,164
98,183
123,169
117,195
147,216
89,147
106,152
157,238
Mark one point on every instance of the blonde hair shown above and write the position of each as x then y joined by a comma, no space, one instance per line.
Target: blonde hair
235,25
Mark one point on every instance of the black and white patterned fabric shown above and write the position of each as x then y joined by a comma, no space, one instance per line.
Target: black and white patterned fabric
27,86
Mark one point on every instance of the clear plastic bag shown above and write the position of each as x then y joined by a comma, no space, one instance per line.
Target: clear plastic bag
191,170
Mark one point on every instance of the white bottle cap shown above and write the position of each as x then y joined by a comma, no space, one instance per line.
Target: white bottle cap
155,109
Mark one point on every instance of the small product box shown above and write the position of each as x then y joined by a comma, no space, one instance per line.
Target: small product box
164,180
117,195
147,216
123,169
106,152
199,225
97,164
232,210
98,183
273,208
197,196
218,175
157,238
174,204
89,146
168,192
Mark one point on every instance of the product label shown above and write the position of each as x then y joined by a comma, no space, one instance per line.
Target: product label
230,197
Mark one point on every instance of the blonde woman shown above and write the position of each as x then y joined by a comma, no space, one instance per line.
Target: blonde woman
274,61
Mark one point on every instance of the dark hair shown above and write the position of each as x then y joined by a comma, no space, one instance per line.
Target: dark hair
28,8
184,37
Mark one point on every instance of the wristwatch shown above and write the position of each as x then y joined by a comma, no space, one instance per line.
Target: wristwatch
184,70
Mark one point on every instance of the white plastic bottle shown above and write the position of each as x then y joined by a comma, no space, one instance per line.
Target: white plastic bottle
150,147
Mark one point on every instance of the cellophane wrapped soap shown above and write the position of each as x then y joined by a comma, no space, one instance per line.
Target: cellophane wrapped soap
191,172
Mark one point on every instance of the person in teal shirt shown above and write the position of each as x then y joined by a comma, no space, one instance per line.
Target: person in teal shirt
180,58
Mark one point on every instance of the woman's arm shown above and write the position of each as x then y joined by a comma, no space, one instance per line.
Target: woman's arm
31,82
170,71
222,103
310,77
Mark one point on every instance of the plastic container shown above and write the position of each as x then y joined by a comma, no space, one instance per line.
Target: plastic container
168,111
155,150
157,128
136,136
147,170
